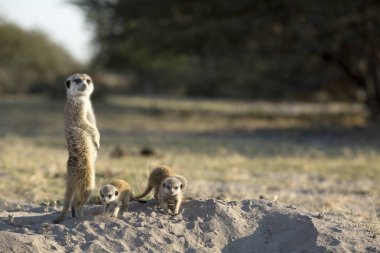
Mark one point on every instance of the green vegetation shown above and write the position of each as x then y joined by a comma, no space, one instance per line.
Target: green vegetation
299,50
30,62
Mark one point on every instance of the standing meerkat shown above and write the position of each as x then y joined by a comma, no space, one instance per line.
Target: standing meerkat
171,193
82,138
117,193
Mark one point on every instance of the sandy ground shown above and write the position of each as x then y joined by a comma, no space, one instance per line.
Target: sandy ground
207,225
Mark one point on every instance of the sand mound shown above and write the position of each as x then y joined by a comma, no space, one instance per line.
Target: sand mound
202,226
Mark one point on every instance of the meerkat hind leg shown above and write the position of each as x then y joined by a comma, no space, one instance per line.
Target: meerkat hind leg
66,204
74,212
83,199
125,203
75,208
80,211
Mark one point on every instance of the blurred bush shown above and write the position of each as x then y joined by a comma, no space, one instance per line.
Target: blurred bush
276,49
31,63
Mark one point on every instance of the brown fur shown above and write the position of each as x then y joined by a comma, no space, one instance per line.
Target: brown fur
116,193
82,138
156,177
123,197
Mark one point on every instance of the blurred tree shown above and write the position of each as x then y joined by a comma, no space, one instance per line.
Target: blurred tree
30,62
245,48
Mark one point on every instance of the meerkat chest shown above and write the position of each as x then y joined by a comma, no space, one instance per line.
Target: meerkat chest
171,199
78,111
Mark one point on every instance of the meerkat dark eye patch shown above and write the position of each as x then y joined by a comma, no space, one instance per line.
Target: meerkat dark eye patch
77,81
116,193
67,84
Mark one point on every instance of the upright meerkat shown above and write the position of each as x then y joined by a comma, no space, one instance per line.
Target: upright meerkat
165,196
117,193
171,193
82,138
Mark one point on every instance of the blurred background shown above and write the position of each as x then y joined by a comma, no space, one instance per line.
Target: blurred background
272,99
272,50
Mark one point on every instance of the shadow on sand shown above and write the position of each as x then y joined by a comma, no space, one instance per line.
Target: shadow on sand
279,233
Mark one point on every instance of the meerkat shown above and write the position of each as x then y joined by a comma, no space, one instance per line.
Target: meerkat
117,193
156,179
82,138
171,193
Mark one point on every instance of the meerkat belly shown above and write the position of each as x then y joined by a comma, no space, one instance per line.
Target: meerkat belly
171,200
92,150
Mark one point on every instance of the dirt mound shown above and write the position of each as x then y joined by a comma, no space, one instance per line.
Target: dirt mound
202,226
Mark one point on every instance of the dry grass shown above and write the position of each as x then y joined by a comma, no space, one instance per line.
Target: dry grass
319,156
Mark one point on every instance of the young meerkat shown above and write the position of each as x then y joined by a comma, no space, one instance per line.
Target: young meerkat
155,178
171,193
117,193
82,138
155,182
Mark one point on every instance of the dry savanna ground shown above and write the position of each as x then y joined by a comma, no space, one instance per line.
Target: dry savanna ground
321,157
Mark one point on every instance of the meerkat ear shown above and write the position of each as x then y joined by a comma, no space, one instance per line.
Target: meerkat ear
68,84
101,193
181,186
116,193
163,185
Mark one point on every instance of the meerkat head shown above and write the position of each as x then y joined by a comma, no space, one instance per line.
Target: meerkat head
108,193
79,85
172,186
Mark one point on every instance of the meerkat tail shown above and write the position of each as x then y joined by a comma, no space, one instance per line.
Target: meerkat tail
133,198
144,194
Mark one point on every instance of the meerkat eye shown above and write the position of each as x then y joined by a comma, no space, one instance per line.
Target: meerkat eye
116,193
68,84
77,81
110,195
176,188
88,81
